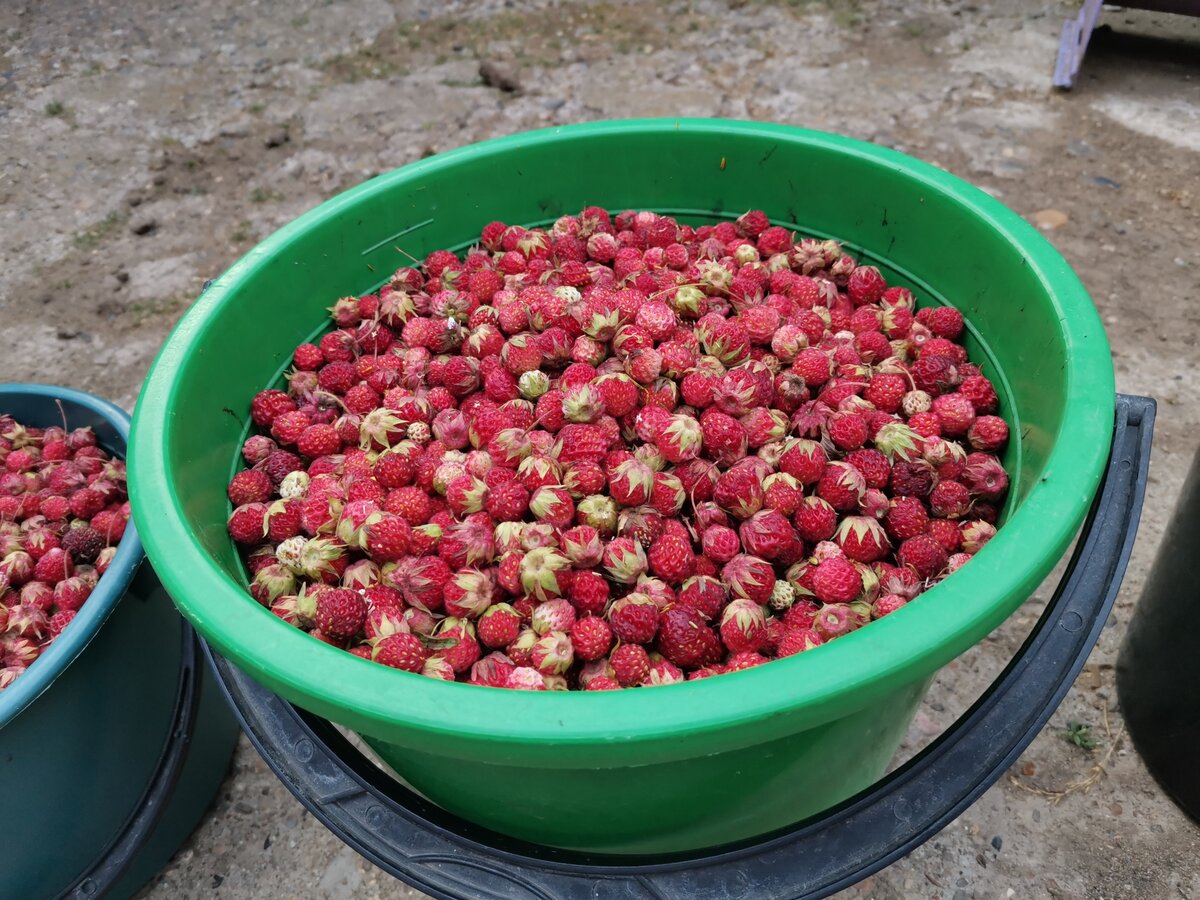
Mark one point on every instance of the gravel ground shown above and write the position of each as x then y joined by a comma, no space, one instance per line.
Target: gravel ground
146,145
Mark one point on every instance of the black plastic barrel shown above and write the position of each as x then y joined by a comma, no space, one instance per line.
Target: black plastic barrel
1159,666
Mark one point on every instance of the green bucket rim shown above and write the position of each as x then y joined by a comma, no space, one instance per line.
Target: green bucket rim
842,675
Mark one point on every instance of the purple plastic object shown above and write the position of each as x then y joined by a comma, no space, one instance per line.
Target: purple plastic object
1076,32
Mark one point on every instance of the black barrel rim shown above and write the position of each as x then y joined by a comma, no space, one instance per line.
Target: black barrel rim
447,857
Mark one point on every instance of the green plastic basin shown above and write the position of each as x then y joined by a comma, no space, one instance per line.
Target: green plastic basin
664,769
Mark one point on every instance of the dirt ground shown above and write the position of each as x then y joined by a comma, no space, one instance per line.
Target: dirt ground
146,145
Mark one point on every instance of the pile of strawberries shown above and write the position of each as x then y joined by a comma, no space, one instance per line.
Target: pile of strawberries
619,452
63,509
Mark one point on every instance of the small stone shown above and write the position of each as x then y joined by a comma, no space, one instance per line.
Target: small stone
1116,809
498,78
243,807
554,103
1106,182
1049,219
277,138
1028,770
997,842
1082,148
144,225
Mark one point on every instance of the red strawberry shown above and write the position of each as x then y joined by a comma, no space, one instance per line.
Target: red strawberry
797,640
988,433
847,430
498,626
836,581
339,613
249,486
630,664
906,518
841,486
634,619
739,490
750,577
680,636
767,533
945,322
980,392
723,437
743,626
591,637
588,592
401,651
923,554
388,538
671,558
862,538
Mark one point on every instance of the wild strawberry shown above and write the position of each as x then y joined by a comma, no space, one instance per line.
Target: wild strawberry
591,637
739,490
946,533
906,518
841,486
679,636
542,573
723,438
634,619
797,640
767,533
720,544
923,554
950,499
862,538
974,534
743,626
249,486
630,664
269,404
387,538
911,479
338,612
847,430
945,322
588,592
886,392
553,615
631,482
836,581
402,651
580,442
984,476
934,374
58,622
671,558
955,414
85,503
815,520
980,392
553,653
750,577
988,433
833,621
865,285
704,594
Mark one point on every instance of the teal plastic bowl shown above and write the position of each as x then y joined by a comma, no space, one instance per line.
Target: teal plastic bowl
114,741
